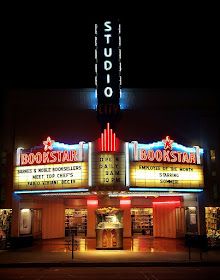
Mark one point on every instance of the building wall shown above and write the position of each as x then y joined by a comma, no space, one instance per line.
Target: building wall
126,220
164,221
53,219
91,221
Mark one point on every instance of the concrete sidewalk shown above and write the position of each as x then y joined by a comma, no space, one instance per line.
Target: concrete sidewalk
28,258
139,251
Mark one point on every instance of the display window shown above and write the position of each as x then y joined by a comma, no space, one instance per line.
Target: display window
212,215
75,221
142,221
5,223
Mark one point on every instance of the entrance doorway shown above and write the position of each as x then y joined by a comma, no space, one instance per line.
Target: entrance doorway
31,223
75,221
142,221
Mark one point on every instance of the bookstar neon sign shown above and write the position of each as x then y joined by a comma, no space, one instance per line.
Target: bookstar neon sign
166,151
51,153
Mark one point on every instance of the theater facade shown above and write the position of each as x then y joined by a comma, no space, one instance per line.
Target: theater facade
107,189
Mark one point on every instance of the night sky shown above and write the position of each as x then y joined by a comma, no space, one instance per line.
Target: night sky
159,50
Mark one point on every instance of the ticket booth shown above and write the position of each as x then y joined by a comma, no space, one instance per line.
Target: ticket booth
109,228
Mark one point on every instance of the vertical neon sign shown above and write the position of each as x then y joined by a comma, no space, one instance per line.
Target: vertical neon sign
108,66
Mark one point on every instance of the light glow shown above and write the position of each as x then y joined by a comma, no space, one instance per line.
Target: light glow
90,165
177,202
25,210
147,174
109,169
18,155
65,194
165,190
57,176
127,164
92,202
48,144
125,202
50,191
147,194
175,146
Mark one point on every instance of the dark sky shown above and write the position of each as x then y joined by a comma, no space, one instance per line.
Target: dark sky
158,50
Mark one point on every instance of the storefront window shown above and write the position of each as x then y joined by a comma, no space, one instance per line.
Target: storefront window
191,220
212,215
142,221
5,223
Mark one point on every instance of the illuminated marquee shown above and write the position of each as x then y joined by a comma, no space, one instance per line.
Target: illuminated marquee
146,174
52,165
166,164
109,170
69,175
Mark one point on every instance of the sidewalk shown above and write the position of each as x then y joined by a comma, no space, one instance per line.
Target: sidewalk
57,256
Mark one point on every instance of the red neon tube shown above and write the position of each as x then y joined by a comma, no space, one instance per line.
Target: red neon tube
111,140
102,142
166,202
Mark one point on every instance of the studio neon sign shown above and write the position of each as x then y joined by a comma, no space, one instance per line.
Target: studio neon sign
108,65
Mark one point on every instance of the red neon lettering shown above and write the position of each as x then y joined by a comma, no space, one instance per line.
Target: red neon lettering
74,155
65,156
150,155
31,158
185,158
24,159
143,155
158,155
173,156
192,157
179,154
53,157
38,157
166,155
46,157
59,156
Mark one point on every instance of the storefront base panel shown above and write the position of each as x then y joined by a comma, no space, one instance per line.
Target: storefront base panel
169,220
